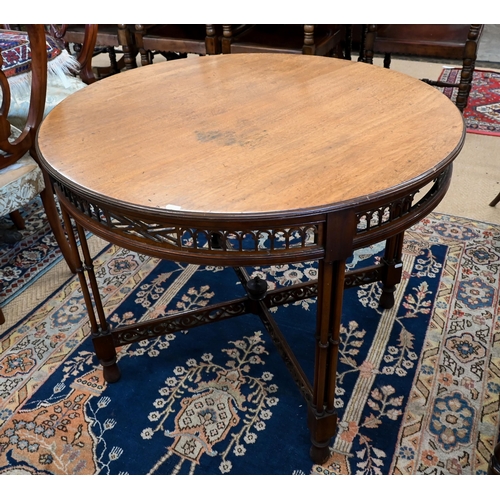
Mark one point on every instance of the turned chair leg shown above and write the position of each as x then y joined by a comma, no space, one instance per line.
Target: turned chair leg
17,219
495,201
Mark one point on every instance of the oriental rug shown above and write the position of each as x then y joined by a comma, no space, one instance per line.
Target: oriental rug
482,114
418,385
25,261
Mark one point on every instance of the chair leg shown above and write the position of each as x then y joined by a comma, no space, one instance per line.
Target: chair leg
125,39
469,62
495,201
369,43
17,219
2,317
387,60
362,43
146,56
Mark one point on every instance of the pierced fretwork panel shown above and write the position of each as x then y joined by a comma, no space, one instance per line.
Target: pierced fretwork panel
370,220
274,239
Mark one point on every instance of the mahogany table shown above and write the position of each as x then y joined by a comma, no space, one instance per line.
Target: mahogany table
252,159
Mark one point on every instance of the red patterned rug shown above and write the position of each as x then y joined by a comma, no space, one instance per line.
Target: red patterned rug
482,114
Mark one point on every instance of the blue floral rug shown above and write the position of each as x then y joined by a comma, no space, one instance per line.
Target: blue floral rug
25,261
418,389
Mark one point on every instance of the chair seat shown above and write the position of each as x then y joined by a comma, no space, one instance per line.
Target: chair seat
19,182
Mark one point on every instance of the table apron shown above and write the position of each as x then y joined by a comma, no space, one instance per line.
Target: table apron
265,240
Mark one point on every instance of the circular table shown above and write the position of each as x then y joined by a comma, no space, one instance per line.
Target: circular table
251,159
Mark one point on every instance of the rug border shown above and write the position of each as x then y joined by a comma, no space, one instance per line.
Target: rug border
49,297
18,292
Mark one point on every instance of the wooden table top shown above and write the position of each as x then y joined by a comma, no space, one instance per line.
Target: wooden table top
250,133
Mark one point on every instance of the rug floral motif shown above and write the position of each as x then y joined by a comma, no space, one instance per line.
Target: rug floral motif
482,114
418,385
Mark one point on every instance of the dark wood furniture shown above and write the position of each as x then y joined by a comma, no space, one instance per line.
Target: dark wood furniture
435,41
494,465
252,148
91,39
320,39
354,39
13,149
175,41
78,34
495,200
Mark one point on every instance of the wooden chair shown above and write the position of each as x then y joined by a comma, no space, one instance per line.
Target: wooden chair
21,178
108,37
63,79
320,39
429,41
176,40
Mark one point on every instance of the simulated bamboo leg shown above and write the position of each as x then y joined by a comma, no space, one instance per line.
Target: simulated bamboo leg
393,271
322,416
101,336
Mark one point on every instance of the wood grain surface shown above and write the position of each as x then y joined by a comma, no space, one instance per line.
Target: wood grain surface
250,133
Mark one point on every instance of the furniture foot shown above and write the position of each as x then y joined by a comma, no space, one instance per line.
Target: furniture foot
105,351
386,300
323,427
320,454
111,373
